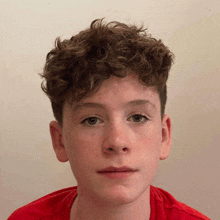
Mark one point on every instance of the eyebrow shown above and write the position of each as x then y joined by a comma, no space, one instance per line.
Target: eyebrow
136,102
88,105
141,102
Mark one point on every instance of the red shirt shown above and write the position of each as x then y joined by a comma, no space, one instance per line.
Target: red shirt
57,206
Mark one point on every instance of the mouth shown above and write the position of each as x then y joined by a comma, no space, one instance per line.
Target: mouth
117,172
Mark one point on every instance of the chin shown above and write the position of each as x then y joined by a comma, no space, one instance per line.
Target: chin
120,195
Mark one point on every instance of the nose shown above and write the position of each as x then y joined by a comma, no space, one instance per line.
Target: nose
116,140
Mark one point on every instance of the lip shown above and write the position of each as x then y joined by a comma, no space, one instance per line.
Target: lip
117,172
116,169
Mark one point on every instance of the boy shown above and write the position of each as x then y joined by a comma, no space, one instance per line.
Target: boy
107,86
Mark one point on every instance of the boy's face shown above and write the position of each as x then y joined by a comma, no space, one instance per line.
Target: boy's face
118,126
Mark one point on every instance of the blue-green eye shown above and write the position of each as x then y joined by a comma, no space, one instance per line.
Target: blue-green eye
91,121
138,118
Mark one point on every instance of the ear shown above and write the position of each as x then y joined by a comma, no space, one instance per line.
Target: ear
166,137
56,136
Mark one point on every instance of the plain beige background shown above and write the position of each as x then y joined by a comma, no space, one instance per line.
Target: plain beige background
191,28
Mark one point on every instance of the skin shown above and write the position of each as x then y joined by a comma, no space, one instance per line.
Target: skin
113,130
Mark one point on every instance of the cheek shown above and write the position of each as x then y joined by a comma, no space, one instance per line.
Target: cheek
149,155
82,156
150,145
152,137
81,147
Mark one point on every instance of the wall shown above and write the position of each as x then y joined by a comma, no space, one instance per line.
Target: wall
191,28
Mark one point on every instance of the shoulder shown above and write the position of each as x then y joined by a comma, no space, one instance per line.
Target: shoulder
164,203
53,204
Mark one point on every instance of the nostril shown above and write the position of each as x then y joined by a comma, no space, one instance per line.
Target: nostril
117,150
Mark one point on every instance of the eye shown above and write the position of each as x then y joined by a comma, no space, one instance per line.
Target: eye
138,118
91,121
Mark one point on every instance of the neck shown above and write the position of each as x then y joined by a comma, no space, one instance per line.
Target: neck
85,208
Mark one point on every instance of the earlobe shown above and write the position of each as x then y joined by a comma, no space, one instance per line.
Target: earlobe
56,136
166,137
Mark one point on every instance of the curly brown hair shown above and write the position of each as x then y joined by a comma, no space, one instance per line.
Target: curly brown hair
77,67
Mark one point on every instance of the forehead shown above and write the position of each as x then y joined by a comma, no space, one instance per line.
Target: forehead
119,92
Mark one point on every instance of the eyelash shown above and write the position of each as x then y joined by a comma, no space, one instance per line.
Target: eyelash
86,120
142,116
